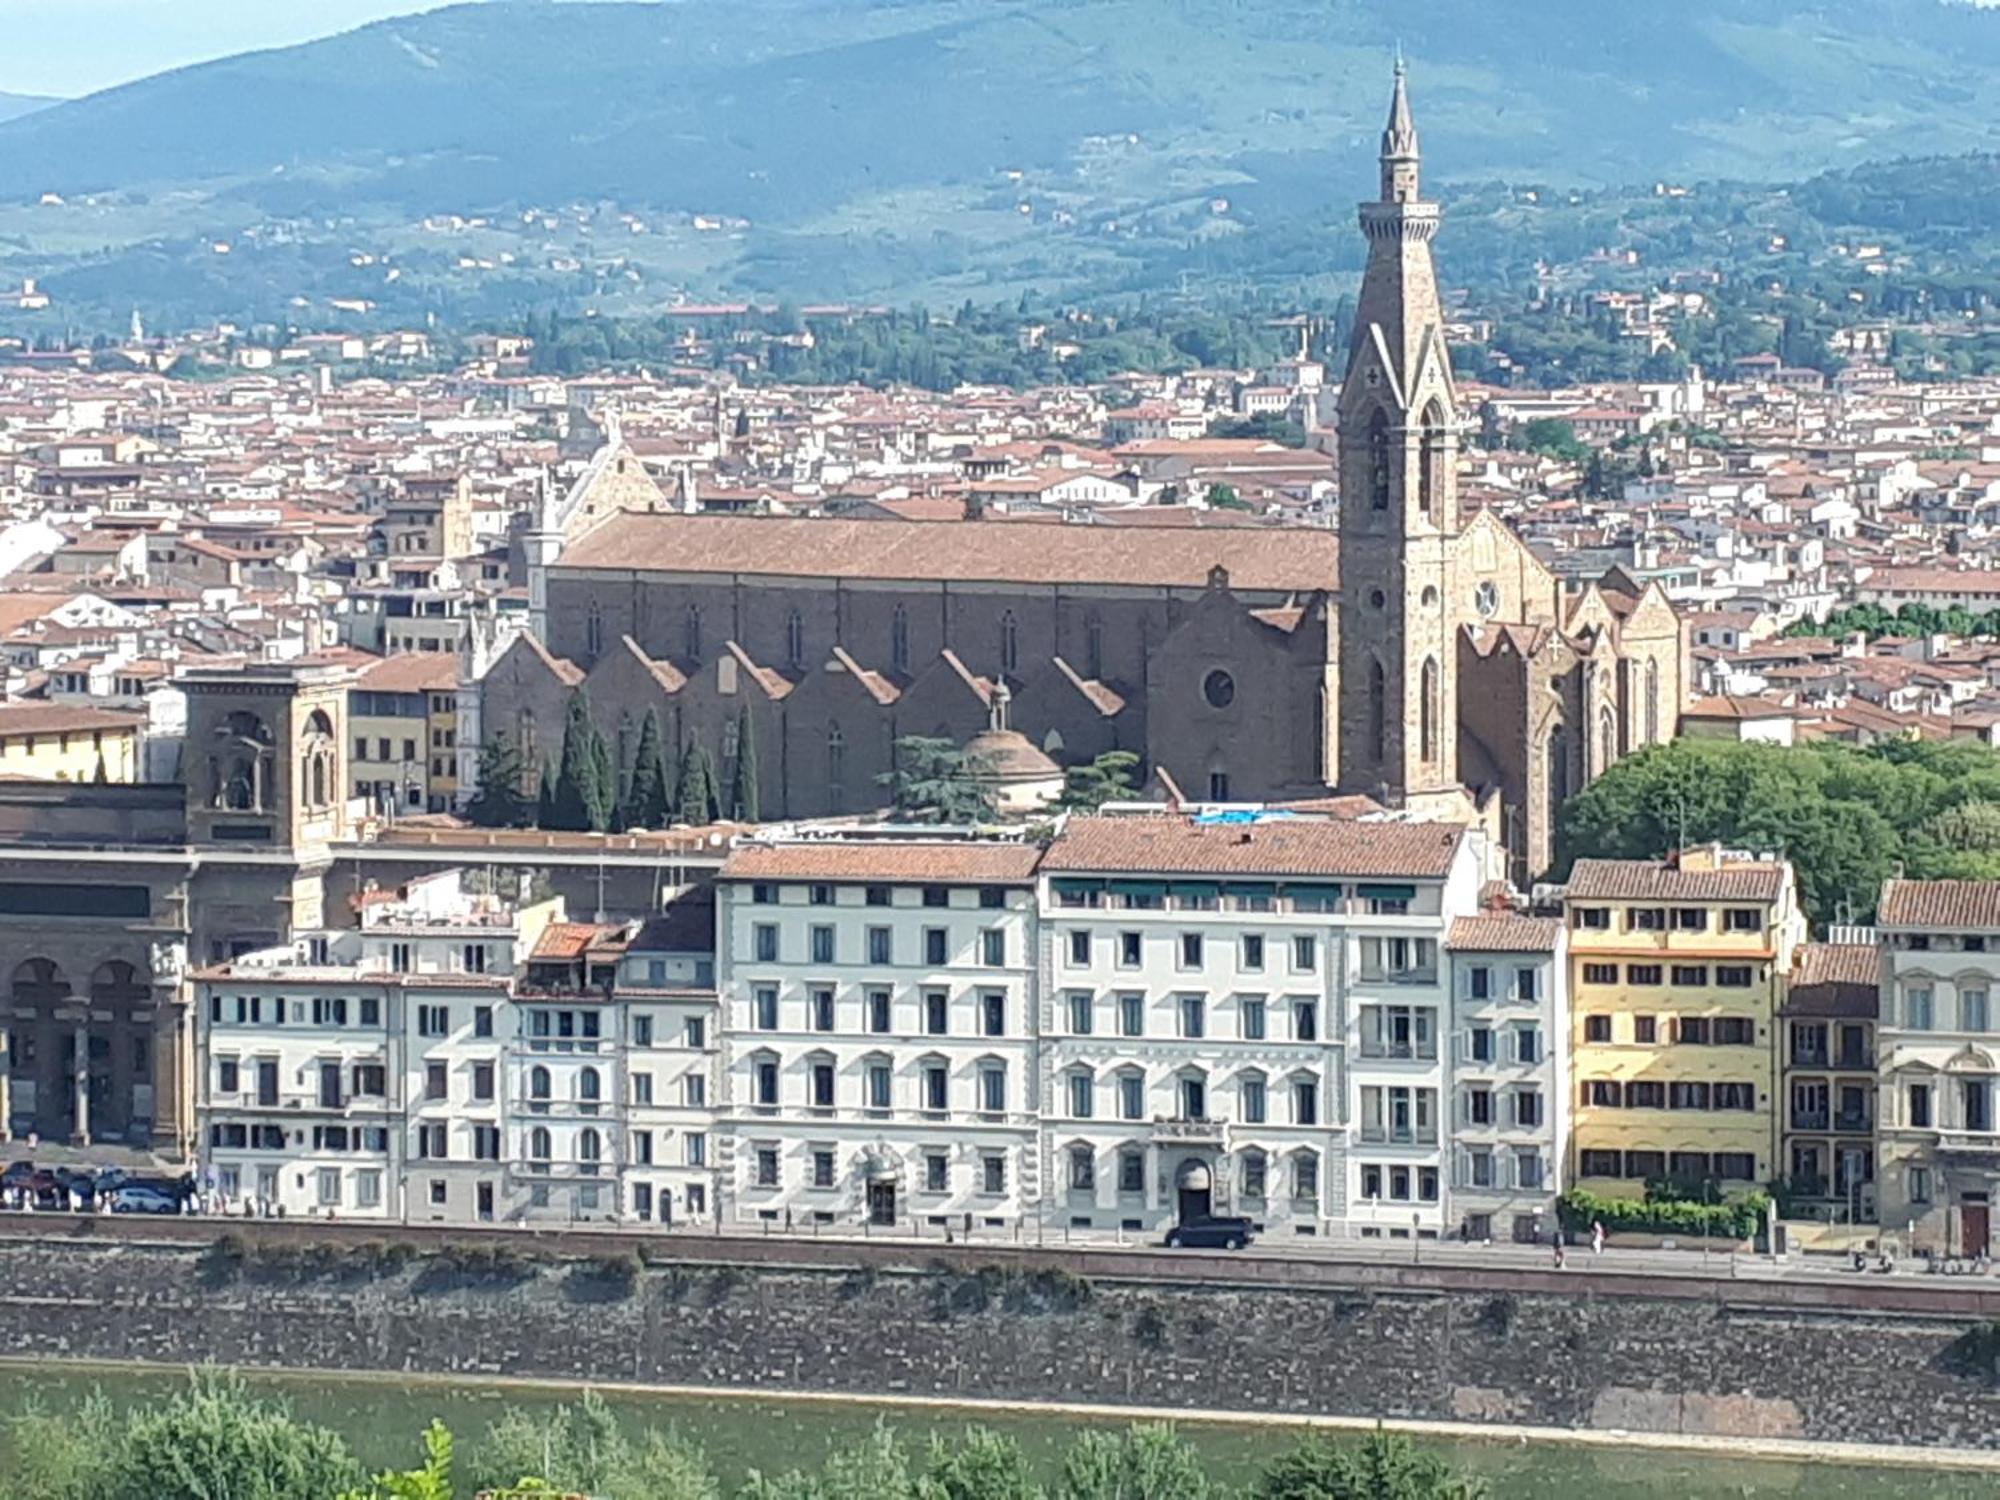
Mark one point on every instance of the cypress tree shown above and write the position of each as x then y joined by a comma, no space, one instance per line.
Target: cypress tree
695,796
743,787
587,781
499,802
646,803
545,796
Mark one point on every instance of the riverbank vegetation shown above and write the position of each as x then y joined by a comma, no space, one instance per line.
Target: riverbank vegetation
214,1440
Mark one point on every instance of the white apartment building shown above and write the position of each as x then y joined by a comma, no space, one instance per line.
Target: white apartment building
359,1073
1509,1081
878,1031
671,1087
1243,1017
1938,1167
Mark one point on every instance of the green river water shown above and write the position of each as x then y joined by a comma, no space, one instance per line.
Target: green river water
382,1415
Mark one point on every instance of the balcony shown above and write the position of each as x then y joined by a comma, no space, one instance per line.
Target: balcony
1372,974
1970,1142
1400,1051
1182,1130
1399,1135
1809,1119
1853,1120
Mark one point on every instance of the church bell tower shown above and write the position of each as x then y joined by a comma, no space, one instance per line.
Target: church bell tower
1399,514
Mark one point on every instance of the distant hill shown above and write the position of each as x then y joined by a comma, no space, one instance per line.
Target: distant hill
874,144
13,105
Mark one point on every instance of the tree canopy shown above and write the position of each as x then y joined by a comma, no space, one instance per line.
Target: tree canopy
933,783
1847,818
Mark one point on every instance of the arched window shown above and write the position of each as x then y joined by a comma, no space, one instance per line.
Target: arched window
538,1084
899,639
836,765
593,631
538,1143
1607,739
1093,648
1431,452
589,1086
1378,710
1010,643
1429,710
1378,460
691,631
318,788
1305,1176
1652,703
1558,768
795,638
589,1147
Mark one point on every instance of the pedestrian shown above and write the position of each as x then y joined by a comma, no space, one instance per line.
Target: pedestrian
1596,1236
1559,1250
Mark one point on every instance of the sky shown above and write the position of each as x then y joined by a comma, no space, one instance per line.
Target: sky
71,47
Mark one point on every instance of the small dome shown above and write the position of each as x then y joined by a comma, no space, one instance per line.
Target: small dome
1007,755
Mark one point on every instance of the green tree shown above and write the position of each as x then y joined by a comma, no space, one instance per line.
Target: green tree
499,802
214,1439
586,783
743,793
981,1465
430,1482
875,1468
932,782
1224,497
646,803
1382,1466
1108,778
694,799
1553,436
545,796
1150,1461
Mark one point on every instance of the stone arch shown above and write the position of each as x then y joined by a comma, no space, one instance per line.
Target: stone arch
1430,474
1607,739
241,765
1430,708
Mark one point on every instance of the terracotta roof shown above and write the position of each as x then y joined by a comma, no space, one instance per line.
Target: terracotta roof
1645,880
1836,979
1171,845
1941,903
1037,552
411,672
64,718
1504,932
571,939
888,862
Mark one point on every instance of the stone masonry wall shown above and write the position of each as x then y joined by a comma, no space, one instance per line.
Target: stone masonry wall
1577,1360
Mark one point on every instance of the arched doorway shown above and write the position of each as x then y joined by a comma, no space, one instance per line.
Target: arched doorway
41,1058
1194,1188
120,1053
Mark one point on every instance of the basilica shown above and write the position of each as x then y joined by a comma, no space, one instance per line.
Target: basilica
1421,656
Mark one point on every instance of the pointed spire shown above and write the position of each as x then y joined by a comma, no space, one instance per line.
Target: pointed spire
1399,142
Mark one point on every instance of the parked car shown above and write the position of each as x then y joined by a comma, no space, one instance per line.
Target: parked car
47,1189
17,1177
135,1199
1218,1232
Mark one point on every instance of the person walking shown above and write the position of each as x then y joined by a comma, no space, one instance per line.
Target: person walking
1596,1236
1560,1255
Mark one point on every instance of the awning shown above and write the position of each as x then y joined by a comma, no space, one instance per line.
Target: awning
1154,890
1315,892
1196,890
1387,892
1262,890
1071,886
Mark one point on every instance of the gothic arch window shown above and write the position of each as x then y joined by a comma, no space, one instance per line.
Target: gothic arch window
1558,768
692,633
593,631
1010,643
316,763
1430,473
1652,703
836,766
1607,739
899,639
1093,648
1378,710
795,638
524,740
1429,710
1378,460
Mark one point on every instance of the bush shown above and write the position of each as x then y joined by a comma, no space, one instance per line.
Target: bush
1735,1219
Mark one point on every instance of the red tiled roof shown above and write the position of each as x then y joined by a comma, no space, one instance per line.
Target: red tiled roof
1505,932
1173,845
1645,880
1940,903
885,861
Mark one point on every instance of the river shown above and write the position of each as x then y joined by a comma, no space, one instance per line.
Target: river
381,1416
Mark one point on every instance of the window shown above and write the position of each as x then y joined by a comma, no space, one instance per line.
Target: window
1917,1009
1919,1110
937,1088
1602,1093
1305,1176
1600,1163
936,1011
1594,918
1920,1184
822,1085
764,942
1305,1101
1645,1093
1690,919
1191,948
1692,1031
1254,1170
1972,1014
819,1007
1736,1166
482,1082
1479,1043
764,1080
694,1090
1082,1169
822,944
937,1172
992,1014
1743,919
696,1033
642,1147
937,895
694,1150
993,897
1733,976
1079,948
1305,1021
642,1088
1687,1096
822,1169
482,1023
767,1166
1597,1029
1527,1169
1128,950
1692,975
1645,1029
1735,1096
1253,1100
879,951
1131,1015
1479,1107
993,947
1131,1171
1082,1095
935,944
1527,986
1735,1031
1252,1011
1305,954
876,1007
1082,1006
1194,1017
1251,952
764,999
993,1174
1527,1108
1643,974
1600,973
1527,1044
1645,919
1131,1096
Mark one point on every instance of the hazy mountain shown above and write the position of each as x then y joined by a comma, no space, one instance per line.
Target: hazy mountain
874,138
14,105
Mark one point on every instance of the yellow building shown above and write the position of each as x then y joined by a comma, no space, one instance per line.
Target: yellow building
443,722
1676,975
60,742
395,719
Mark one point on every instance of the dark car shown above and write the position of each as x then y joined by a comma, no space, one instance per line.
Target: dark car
134,1199
17,1176
1215,1233
47,1189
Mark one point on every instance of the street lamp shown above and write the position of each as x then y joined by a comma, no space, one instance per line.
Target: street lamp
1416,1240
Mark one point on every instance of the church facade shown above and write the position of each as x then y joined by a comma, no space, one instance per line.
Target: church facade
1424,658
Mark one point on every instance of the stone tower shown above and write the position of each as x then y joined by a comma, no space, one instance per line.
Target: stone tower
1399,516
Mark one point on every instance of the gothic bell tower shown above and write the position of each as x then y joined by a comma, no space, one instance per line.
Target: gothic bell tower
1399,514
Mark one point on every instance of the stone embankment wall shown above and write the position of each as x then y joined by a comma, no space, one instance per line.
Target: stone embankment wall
1570,1358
